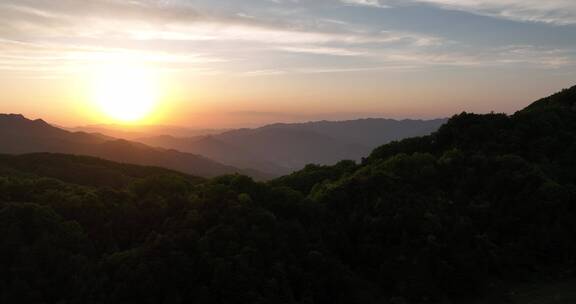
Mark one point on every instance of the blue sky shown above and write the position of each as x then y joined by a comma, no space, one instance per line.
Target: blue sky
300,59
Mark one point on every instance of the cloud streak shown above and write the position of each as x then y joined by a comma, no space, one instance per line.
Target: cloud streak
72,32
558,12
371,3
60,36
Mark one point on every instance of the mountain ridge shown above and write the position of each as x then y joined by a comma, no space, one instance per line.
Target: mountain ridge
19,135
565,99
283,147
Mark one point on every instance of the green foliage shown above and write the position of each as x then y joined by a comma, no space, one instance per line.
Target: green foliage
304,180
41,254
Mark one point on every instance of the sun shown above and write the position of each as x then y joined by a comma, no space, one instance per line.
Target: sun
125,93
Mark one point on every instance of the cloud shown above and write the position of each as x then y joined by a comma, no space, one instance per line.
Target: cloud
322,51
558,12
69,33
60,36
372,3
541,56
160,20
61,60
108,9
525,56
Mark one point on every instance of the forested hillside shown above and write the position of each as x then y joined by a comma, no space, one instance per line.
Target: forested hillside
484,203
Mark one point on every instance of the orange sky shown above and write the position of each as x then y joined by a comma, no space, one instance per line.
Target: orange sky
223,101
246,63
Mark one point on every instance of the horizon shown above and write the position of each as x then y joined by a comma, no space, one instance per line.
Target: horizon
288,151
136,126
313,118
231,64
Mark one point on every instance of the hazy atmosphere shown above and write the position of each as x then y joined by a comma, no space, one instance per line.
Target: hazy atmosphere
288,151
222,64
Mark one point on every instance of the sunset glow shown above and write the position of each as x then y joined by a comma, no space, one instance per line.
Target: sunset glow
245,63
288,151
125,93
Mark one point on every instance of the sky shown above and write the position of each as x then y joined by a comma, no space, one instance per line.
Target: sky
232,63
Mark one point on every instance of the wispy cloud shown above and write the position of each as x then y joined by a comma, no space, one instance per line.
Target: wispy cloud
322,51
60,60
73,32
372,3
560,12
60,36
157,20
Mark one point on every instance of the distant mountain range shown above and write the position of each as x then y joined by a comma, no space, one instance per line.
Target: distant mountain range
282,148
262,153
134,132
19,135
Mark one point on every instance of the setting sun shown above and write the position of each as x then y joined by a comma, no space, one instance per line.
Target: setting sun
288,151
125,93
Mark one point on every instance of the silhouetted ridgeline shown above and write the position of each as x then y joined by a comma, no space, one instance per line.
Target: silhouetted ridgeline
486,202
81,170
19,135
